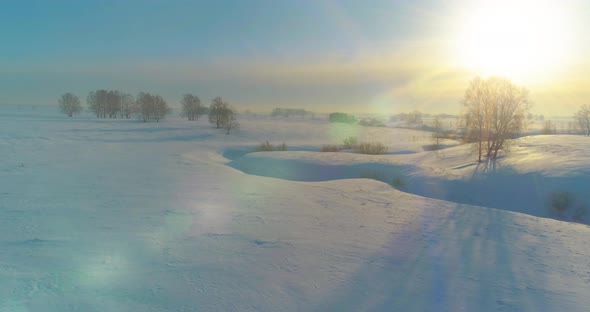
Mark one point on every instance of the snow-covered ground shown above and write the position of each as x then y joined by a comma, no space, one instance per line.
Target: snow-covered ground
524,180
119,215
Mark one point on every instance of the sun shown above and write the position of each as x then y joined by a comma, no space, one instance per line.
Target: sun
522,40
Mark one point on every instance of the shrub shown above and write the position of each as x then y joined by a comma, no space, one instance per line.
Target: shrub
580,214
330,148
341,117
397,183
232,124
350,142
267,147
373,148
264,147
282,147
560,201
565,205
373,174
371,122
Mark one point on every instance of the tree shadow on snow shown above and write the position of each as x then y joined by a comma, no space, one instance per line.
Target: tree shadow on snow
463,259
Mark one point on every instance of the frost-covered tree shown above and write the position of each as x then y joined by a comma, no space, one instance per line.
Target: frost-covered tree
161,108
495,110
437,132
232,124
219,113
97,102
69,104
128,105
414,118
151,107
113,103
145,105
548,127
191,106
583,119
110,103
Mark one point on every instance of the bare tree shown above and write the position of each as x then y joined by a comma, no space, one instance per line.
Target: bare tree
414,118
109,103
99,102
191,106
95,102
495,111
69,104
113,103
570,127
161,108
92,103
128,105
151,107
436,132
145,105
583,119
231,122
219,112
473,104
548,127
103,98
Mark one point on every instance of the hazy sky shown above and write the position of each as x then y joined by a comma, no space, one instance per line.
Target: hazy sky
378,56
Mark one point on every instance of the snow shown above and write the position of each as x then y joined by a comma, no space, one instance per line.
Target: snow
119,215
522,181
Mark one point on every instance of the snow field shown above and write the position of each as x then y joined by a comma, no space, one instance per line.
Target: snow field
117,215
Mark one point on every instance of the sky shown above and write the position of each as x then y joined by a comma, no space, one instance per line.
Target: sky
323,55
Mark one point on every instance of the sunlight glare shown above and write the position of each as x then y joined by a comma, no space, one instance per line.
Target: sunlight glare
523,40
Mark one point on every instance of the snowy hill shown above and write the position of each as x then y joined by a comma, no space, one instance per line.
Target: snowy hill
118,215
525,180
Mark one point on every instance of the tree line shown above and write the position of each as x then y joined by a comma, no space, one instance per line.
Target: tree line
288,112
109,103
147,106
113,103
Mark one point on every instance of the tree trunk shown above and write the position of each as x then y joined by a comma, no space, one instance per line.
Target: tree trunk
479,158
